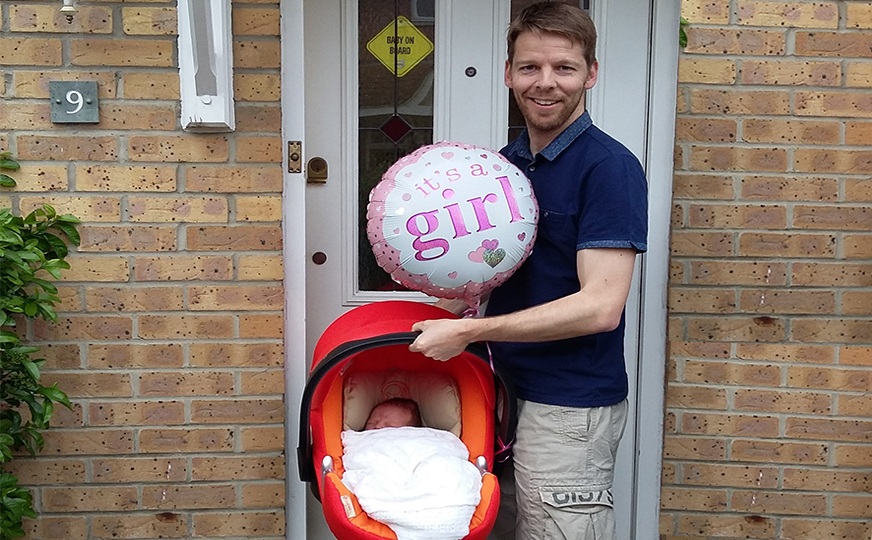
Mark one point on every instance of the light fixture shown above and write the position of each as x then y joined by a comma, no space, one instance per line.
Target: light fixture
69,10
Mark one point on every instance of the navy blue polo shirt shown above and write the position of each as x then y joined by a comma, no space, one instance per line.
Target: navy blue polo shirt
592,193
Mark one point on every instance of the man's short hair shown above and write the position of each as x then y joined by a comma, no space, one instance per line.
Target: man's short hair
556,18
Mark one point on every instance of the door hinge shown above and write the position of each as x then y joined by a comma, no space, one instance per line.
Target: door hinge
295,156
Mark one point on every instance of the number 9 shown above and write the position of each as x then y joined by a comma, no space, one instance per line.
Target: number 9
74,97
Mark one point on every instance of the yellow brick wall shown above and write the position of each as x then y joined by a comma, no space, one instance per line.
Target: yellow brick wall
769,419
169,340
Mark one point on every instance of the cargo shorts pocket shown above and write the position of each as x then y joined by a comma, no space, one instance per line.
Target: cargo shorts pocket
573,513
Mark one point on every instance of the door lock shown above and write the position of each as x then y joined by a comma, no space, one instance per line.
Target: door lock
316,171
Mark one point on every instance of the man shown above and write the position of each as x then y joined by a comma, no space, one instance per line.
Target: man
558,323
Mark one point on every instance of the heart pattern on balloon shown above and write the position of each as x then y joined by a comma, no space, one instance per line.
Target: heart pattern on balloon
493,257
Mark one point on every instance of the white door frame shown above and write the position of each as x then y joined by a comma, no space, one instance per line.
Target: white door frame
611,110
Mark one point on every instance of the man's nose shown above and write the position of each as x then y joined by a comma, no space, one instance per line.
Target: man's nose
546,78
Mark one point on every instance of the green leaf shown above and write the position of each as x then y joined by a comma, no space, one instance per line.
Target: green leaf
8,337
682,35
55,394
31,368
9,164
7,181
69,230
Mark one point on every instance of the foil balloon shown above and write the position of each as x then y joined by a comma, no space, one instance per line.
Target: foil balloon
452,220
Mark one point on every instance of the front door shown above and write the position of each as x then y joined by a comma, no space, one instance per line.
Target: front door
374,80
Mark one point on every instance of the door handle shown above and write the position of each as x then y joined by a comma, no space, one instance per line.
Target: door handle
316,171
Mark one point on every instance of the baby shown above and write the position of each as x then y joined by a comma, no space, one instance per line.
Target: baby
394,412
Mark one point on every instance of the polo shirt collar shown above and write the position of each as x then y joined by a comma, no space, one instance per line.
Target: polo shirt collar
521,147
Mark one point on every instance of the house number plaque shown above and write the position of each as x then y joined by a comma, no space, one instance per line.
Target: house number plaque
74,102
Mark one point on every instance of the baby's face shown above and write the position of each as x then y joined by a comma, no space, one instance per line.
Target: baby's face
387,415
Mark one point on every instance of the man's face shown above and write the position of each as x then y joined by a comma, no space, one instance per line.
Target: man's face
388,415
548,76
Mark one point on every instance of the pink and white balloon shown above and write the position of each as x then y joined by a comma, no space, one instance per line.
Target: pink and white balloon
452,220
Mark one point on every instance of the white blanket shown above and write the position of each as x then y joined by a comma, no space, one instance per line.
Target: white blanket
417,481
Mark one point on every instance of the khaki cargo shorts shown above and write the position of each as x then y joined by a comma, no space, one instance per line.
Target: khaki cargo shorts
563,469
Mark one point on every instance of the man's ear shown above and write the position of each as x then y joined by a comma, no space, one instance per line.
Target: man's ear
592,75
508,75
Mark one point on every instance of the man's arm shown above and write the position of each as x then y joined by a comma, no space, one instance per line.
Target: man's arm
605,276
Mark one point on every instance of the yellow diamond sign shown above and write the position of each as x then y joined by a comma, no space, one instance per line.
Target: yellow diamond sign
400,46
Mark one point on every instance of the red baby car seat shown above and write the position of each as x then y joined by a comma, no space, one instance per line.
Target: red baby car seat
374,338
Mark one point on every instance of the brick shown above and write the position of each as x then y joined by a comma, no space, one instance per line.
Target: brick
833,161
762,130
834,104
772,502
30,52
178,148
70,299
827,480
730,424
712,372
676,272
697,349
164,355
182,383
696,397
237,468
829,429
788,301
830,275
82,327
256,524
185,326
722,216
858,133
183,268
263,382
739,102
853,455
706,71
856,303
258,149
260,268
257,87
45,147
122,52
57,528
134,526
697,129
47,472
189,496
705,12
831,331
259,117
738,273
231,238
178,441
89,442
127,238
96,269
720,475
263,439
855,356
693,499
91,384
133,469
702,186
857,246
248,411
261,21
702,244
27,116
235,297
150,85
778,452
789,14
791,73
858,190
177,209
256,325
41,178
138,117
837,378
98,209
258,179
35,84
720,526
89,499
813,529
124,299
67,418
858,75
793,188
143,413
753,244
258,208
834,44
46,18
60,356
255,54
772,401
735,158
149,21
695,300
734,41
694,448
859,15
236,354
268,495
852,506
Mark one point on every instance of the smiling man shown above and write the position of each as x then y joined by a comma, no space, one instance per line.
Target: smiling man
557,325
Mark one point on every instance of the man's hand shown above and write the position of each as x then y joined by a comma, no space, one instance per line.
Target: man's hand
440,339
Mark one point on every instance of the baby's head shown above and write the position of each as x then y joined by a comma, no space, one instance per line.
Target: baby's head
394,412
